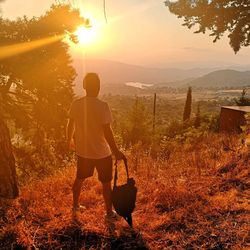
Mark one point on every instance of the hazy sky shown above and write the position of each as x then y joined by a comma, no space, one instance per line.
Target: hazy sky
141,32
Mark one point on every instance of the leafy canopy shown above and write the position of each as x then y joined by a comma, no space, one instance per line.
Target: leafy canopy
220,17
36,86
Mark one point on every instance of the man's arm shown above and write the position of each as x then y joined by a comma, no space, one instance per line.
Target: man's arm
70,132
108,133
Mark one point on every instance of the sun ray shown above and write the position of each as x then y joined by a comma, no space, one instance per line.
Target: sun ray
20,48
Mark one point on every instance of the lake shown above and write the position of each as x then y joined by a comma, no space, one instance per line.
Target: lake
138,85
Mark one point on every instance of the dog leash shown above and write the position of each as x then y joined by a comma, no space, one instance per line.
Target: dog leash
116,171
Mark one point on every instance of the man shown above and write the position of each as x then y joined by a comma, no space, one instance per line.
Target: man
89,124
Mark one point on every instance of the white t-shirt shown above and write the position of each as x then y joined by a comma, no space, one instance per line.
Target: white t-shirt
90,114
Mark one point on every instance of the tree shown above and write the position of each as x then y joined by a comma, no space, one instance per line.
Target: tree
136,128
39,82
217,16
188,104
243,100
8,178
36,86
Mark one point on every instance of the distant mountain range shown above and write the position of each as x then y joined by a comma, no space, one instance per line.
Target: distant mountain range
116,73
222,78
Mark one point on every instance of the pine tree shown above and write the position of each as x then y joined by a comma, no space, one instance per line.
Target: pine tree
36,86
188,104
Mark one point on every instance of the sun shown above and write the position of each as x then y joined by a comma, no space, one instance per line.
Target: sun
86,35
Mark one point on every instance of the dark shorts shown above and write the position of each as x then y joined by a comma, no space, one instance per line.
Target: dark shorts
86,167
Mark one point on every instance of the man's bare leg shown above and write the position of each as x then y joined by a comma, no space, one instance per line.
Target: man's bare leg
76,192
106,188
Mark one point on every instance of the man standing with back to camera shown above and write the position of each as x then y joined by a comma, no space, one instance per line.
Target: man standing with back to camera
89,125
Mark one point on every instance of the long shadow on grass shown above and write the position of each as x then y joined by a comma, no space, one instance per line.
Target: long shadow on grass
74,237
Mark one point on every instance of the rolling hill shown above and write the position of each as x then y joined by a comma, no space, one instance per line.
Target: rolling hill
222,78
115,73
119,73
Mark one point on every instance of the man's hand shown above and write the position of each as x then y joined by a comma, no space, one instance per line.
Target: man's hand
108,133
119,155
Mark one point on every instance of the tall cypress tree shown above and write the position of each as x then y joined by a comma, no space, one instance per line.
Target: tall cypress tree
188,104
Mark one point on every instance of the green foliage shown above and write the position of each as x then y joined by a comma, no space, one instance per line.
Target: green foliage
169,123
197,121
36,87
217,16
59,19
137,125
188,132
245,135
243,100
37,158
210,122
174,128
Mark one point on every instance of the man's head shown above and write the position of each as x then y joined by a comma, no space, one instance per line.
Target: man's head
91,83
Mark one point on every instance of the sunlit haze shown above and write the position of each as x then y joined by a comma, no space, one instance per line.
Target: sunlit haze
120,128
138,32
86,36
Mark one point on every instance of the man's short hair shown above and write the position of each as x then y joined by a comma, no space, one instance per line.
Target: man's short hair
91,83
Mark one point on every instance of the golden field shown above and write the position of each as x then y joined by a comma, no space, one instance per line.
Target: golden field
195,198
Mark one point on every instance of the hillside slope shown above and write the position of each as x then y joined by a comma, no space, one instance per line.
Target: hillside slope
222,78
119,73
189,202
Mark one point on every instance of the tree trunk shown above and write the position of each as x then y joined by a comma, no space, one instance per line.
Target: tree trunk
8,177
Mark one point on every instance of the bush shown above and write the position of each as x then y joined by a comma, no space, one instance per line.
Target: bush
35,162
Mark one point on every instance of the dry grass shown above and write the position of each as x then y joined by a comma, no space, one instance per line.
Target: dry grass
180,205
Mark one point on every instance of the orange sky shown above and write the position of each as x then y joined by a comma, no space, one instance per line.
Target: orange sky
141,32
